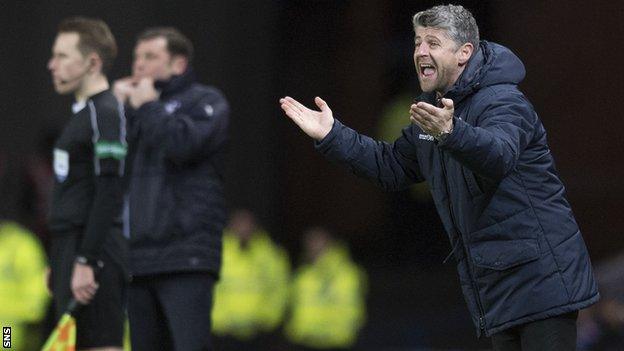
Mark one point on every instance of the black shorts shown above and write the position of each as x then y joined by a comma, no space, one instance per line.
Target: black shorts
101,322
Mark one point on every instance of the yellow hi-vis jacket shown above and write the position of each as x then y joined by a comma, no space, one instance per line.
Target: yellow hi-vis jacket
250,297
23,294
327,301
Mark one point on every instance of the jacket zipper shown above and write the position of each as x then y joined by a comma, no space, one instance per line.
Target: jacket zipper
466,251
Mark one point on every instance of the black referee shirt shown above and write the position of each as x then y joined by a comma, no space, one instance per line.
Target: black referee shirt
89,162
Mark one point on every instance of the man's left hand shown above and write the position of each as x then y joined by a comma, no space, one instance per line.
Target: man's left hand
143,92
433,120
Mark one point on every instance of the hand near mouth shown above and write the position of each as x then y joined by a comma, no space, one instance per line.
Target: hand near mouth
433,120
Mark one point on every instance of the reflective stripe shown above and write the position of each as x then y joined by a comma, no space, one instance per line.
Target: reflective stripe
125,216
96,135
122,136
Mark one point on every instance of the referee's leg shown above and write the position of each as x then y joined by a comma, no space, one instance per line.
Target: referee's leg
100,324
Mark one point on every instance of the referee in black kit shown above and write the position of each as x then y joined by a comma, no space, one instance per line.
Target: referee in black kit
87,252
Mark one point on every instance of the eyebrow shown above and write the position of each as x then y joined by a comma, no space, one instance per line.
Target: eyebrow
428,36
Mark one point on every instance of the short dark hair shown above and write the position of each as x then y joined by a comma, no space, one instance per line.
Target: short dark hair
455,19
177,43
94,36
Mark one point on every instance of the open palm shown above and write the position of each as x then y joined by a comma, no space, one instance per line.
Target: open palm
316,124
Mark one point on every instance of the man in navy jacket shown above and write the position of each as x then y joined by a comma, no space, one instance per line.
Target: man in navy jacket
177,131
475,138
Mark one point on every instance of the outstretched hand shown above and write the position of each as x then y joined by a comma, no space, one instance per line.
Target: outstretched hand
316,124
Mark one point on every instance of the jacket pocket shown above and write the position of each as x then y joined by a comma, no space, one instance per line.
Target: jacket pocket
151,206
508,243
474,187
502,255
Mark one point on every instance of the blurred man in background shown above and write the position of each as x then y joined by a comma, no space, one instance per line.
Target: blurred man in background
601,327
177,137
252,292
327,297
522,261
23,294
89,163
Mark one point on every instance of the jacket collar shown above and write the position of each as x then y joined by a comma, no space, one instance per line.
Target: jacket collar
469,81
175,84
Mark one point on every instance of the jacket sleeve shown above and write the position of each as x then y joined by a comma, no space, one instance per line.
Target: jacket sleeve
492,147
109,153
107,204
391,166
184,136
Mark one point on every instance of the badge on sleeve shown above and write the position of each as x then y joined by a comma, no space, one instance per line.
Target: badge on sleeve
209,110
61,164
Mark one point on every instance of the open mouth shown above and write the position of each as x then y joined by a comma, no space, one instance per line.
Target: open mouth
427,70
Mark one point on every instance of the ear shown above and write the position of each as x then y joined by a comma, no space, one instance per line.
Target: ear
94,62
465,52
179,64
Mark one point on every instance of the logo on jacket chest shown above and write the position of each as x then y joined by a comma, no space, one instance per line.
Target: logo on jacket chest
172,106
425,137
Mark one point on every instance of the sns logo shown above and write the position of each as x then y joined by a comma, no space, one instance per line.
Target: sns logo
6,337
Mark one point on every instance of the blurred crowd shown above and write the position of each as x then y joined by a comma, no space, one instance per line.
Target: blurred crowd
264,300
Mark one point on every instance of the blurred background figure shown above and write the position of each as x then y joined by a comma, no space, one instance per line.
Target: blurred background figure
327,307
177,136
39,180
251,295
23,294
601,327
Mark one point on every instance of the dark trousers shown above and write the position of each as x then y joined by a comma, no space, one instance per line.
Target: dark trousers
171,312
552,334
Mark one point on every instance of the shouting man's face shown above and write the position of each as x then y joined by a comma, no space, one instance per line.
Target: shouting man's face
439,60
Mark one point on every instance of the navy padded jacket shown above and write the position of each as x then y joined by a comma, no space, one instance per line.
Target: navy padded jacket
520,255
177,149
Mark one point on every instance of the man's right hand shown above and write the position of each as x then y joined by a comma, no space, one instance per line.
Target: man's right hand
314,123
83,284
122,88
